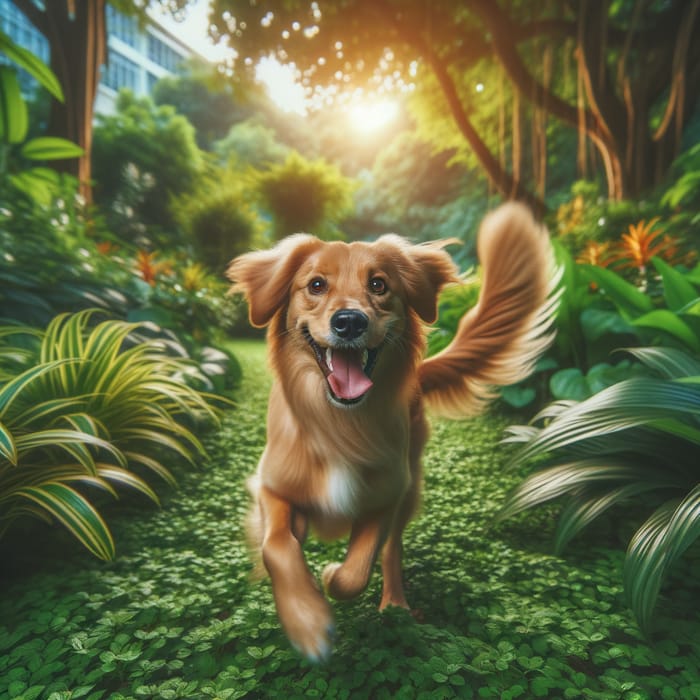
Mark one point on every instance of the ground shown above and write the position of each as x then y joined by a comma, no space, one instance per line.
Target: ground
176,615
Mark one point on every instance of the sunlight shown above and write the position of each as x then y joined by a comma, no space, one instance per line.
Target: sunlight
281,85
369,117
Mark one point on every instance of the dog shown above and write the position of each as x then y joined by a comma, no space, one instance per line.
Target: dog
347,325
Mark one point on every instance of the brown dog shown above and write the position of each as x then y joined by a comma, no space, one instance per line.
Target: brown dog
346,425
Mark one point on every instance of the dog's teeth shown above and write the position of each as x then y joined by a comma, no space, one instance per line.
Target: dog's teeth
365,357
329,359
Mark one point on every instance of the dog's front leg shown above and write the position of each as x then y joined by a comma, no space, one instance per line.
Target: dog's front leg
346,580
302,609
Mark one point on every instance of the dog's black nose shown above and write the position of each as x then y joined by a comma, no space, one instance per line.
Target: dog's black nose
349,324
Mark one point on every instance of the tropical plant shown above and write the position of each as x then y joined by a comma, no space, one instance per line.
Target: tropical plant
94,412
37,182
637,442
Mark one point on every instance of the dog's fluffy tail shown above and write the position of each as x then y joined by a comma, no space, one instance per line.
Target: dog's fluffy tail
499,340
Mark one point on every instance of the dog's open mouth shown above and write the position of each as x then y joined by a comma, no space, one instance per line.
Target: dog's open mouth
347,370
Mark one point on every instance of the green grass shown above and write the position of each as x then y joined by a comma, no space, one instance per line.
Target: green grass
174,615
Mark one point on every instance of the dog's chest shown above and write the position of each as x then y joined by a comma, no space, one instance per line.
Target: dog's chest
343,490
349,492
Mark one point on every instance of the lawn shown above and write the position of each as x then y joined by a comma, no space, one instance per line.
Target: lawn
175,614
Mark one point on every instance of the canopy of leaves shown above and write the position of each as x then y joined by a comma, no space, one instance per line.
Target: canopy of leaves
205,97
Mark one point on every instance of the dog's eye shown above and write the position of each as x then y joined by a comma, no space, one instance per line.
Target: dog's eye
377,285
317,285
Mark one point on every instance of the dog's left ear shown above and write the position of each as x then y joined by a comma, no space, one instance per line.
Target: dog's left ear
425,270
265,276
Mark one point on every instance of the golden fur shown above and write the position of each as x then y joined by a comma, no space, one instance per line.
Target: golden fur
350,461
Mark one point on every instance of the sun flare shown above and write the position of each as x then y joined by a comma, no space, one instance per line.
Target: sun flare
368,117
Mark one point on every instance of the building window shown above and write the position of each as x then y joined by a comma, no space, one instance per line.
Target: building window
162,54
121,72
22,31
122,26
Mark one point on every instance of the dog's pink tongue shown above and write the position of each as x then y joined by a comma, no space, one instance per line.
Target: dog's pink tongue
348,380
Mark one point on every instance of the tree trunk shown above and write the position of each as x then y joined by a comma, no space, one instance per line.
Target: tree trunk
77,35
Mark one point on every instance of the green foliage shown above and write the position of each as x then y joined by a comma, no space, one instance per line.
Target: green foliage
176,615
20,159
637,441
420,193
50,265
589,215
454,302
89,411
251,143
305,196
219,218
202,95
142,157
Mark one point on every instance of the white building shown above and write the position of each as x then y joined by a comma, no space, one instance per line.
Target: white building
137,56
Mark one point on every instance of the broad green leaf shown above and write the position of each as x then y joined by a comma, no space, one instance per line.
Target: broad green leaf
50,148
569,384
14,118
623,294
671,323
37,183
597,322
678,291
74,512
28,61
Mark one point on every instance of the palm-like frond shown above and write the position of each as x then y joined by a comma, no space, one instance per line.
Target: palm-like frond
89,412
637,441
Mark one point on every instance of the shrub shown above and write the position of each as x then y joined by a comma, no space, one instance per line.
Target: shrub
305,196
142,156
89,412
638,442
219,219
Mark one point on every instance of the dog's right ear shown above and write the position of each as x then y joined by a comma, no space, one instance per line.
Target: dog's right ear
265,276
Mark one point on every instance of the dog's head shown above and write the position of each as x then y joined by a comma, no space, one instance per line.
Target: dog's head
350,306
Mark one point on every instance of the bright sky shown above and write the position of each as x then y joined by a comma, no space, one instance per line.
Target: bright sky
364,116
278,79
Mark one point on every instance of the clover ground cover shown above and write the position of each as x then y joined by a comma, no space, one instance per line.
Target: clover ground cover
175,615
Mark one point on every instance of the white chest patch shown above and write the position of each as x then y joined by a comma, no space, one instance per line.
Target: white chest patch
342,490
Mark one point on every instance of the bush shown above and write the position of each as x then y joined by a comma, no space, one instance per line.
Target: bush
143,156
219,218
305,196
89,412
636,442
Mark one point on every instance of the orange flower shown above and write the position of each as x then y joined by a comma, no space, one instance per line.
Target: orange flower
148,268
595,254
639,245
106,247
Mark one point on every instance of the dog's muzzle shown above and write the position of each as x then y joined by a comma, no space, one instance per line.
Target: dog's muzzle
346,369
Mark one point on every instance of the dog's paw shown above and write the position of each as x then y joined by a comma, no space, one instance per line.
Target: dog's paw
343,582
308,622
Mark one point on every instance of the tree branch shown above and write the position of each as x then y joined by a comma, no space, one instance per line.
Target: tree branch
506,184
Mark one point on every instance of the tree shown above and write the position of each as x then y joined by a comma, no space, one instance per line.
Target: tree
638,65
205,97
77,35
